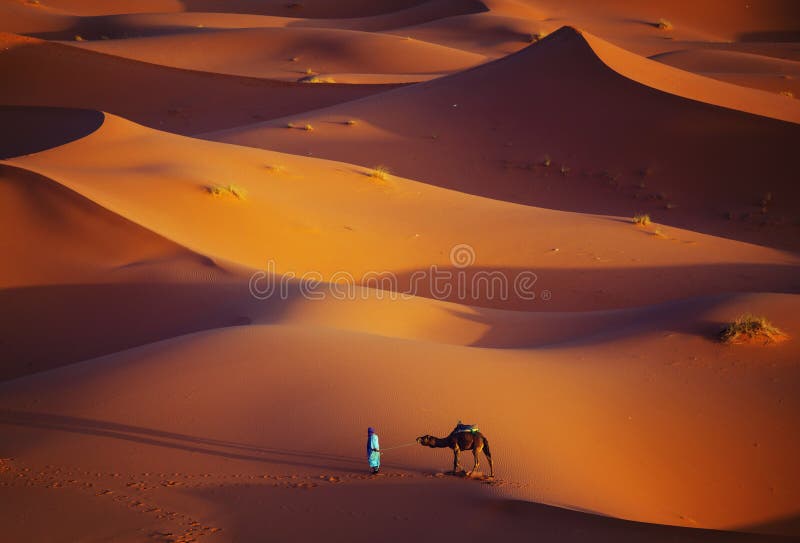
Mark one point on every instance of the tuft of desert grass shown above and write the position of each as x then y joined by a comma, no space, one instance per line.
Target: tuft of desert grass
546,161
291,125
274,168
641,219
308,128
316,79
565,169
380,172
350,122
228,190
533,37
78,37
664,24
787,94
751,329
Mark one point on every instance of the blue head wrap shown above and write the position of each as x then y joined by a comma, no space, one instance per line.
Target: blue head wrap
370,431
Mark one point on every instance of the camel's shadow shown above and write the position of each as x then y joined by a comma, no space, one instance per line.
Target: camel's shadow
463,474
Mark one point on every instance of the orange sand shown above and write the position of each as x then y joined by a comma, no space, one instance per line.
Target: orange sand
152,168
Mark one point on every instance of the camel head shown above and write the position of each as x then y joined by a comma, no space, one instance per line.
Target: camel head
426,440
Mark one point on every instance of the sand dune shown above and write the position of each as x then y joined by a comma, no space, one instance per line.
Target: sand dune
423,12
54,217
747,69
718,19
312,215
215,277
290,54
307,8
187,101
631,147
46,22
609,395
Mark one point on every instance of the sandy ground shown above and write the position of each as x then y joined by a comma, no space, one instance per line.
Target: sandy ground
236,234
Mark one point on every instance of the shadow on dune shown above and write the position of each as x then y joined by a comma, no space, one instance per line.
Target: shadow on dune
187,102
376,511
589,289
418,14
53,326
549,330
172,440
322,9
37,129
775,36
789,524
111,27
86,321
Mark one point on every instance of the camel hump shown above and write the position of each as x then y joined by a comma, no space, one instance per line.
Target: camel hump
471,428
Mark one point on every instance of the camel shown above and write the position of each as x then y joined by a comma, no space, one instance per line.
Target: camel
461,441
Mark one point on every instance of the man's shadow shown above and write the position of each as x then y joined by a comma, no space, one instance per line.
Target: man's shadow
194,444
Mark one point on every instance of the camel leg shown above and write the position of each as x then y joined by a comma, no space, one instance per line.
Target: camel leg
456,463
491,465
476,460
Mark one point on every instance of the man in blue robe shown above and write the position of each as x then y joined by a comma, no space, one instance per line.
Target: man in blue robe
373,450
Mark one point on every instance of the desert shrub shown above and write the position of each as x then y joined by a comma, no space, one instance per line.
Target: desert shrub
533,37
749,328
664,24
228,190
316,79
641,219
380,172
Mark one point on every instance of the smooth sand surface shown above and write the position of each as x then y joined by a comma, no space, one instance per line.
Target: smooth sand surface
161,168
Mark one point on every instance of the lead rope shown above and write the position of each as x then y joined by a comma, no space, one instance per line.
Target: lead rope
398,446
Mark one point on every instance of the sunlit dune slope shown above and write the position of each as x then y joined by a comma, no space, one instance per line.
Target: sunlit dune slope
308,215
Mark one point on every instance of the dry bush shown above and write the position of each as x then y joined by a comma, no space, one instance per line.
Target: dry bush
380,172
664,24
228,190
751,329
